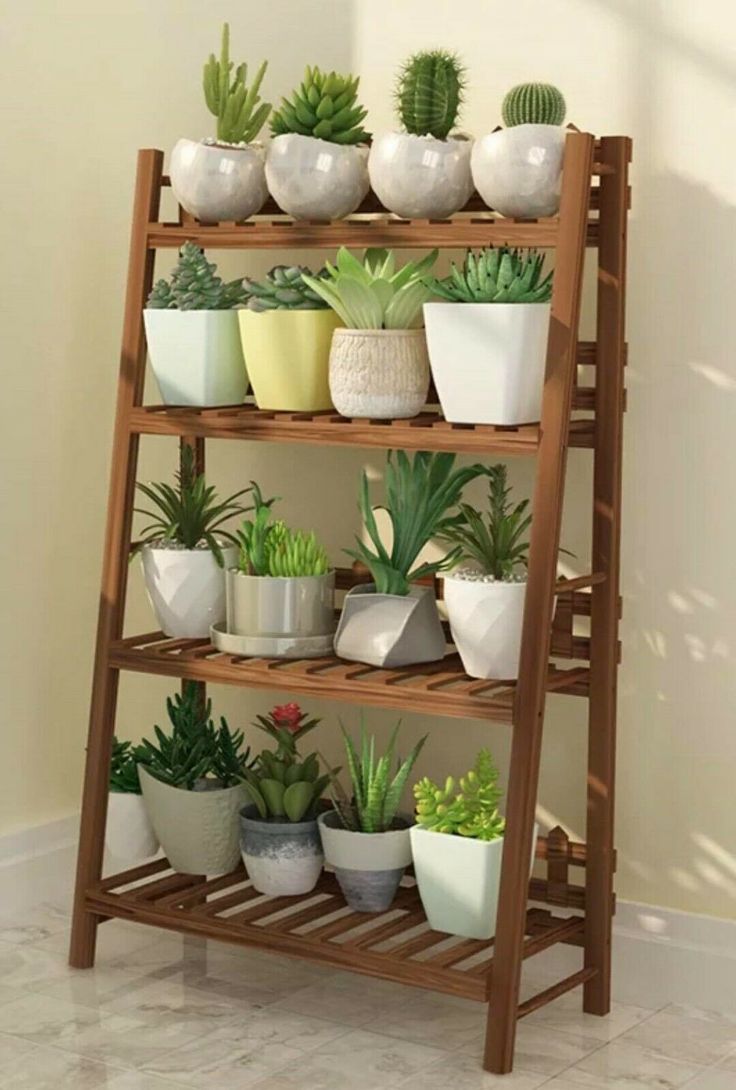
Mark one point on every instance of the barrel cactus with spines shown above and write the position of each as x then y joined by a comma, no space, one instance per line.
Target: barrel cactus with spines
533,104
284,289
429,93
324,106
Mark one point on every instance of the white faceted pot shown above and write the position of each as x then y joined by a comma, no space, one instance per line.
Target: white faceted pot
186,588
316,179
129,835
196,356
518,171
215,182
390,630
488,360
420,177
262,605
486,621
379,373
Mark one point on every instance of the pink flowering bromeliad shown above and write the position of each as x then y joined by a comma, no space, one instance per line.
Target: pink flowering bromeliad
286,724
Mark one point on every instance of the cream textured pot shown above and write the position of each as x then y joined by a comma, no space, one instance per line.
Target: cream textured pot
316,179
282,858
215,182
186,588
379,373
264,605
486,620
368,866
287,355
129,834
420,176
488,360
196,356
518,171
390,629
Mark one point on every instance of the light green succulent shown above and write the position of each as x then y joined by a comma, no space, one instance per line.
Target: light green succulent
284,289
471,811
234,104
496,276
269,547
324,106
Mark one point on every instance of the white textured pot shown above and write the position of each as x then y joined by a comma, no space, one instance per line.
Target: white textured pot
379,373
488,360
129,835
262,605
198,830
196,356
518,171
215,182
486,621
316,179
390,630
458,880
282,858
186,588
420,177
368,866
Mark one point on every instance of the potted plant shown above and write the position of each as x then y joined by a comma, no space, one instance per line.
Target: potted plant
485,601
184,550
393,621
286,331
517,170
488,341
316,166
424,171
192,334
280,843
457,848
192,782
129,834
378,363
365,838
224,178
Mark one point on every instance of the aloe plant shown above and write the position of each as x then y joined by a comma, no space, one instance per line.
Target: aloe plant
495,276
234,104
498,542
270,548
324,106
471,811
282,786
123,769
195,285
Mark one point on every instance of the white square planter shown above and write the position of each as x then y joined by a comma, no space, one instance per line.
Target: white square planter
488,360
196,356
486,621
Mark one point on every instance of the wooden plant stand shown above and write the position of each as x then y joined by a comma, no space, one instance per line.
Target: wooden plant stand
398,945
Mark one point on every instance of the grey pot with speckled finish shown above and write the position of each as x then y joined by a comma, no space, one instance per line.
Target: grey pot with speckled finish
283,858
368,866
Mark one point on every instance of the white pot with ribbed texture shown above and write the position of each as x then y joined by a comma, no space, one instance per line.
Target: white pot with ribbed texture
316,179
518,171
129,835
486,619
186,588
215,182
379,373
196,356
421,177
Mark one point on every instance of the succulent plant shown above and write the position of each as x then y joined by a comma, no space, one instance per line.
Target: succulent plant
286,724
123,769
324,106
284,289
271,548
282,786
471,811
495,276
234,104
195,285
498,543
533,104
429,93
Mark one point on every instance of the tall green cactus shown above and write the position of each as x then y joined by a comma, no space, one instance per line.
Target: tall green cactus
429,93
533,104
234,104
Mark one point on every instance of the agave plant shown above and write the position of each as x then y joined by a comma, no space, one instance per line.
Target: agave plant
124,769
496,276
234,104
497,543
195,285
471,811
324,106
284,289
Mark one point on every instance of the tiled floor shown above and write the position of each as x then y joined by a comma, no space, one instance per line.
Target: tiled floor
161,1012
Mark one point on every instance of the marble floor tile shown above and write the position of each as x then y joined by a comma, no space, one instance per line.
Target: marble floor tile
432,1019
687,1034
25,1066
348,998
548,1053
96,987
566,1015
33,925
463,1071
715,1078
49,1021
137,1080
23,966
115,939
624,1065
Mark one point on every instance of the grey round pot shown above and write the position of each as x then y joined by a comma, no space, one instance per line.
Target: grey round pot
390,630
263,605
368,866
283,858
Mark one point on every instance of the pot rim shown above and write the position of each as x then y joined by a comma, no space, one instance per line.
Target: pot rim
415,591
482,845
275,828
496,306
279,578
449,577
345,332
454,138
216,792
231,311
402,816
154,547
525,125
319,140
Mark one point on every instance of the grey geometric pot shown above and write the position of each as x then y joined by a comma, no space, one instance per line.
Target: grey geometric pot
390,630
263,605
368,866
283,858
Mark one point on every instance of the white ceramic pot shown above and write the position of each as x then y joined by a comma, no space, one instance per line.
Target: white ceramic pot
215,182
368,866
196,356
420,177
186,588
316,179
379,373
486,621
488,360
518,171
129,835
458,880
390,630
261,605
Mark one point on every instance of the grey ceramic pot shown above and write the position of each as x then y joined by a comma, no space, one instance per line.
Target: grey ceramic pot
283,858
262,605
368,866
390,630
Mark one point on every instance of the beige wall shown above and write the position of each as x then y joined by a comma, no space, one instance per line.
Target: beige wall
84,86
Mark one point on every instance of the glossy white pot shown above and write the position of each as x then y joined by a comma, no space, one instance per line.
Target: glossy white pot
215,182
488,360
262,605
196,356
379,373
518,171
486,621
316,179
420,177
186,588
129,835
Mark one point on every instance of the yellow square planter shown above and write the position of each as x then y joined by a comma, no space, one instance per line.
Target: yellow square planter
288,354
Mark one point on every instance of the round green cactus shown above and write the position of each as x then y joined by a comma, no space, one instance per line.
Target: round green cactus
429,93
325,107
533,104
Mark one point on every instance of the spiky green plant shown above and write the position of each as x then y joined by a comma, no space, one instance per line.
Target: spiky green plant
284,289
123,769
282,786
234,104
497,543
324,106
471,811
270,548
533,104
496,276
429,93
195,285
296,553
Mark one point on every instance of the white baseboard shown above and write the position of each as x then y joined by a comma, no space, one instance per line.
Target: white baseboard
37,865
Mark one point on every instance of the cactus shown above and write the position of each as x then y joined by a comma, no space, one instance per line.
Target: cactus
472,811
284,289
282,786
195,285
271,549
429,93
234,104
496,276
533,104
325,107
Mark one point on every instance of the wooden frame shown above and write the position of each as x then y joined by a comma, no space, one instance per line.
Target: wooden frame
398,945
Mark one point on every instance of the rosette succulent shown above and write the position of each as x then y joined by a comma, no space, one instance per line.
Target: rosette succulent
496,275
324,106
284,288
